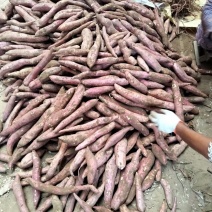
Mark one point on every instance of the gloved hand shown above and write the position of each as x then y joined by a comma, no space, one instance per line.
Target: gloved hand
166,121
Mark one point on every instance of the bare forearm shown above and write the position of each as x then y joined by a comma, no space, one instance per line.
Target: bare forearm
195,140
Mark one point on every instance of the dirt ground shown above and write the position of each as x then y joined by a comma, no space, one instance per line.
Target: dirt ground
189,178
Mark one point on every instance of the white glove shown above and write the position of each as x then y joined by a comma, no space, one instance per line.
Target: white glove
166,121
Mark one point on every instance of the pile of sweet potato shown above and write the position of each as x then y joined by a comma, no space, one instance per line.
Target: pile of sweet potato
81,78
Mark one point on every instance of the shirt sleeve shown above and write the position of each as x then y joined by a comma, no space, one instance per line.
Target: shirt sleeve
206,18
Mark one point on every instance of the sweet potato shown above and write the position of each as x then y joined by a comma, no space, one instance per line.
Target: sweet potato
83,204
32,104
91,139
101,209
132,141
177,100
126,182
82,109
43,6
10,105
48,201
20,37
174,208
168,192
142,148
96,91
27,16
192,89
27,118
72,33
99,143
178,149
56,203
61,80
14,138
19,194
110,175
126,115
35,130
120,153
146,165
94,50
158,167
149,179
147,56
118,25
55,118
91,124
68,26
27,160
64,198
14,65
115,138
92,200
142,64
77,138
137,97
17,155
48,29
105,81
163,207
162,143
107,23
87,38
56,190
102,108
38,68
139,194
36,172
107,43
91,165
136,83
123,208
66,13
56,161
161,94
159,154
126,52
152,85
3,18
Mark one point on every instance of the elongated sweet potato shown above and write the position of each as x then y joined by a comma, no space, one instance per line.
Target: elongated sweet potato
94,50
126,182
159,154
27,118
56,190
120,153
110,175
168,192
91,165
19,194
139,194
87,38
91,139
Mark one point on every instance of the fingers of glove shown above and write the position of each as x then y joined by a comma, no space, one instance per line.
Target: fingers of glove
154,114
154,120
166,112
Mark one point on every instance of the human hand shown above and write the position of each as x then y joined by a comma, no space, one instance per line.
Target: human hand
166,121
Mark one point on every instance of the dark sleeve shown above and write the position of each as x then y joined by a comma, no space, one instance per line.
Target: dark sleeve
207,18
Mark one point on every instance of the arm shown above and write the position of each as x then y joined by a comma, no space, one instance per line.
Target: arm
198,142
168,122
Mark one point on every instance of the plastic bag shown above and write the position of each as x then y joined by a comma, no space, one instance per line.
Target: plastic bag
204,31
